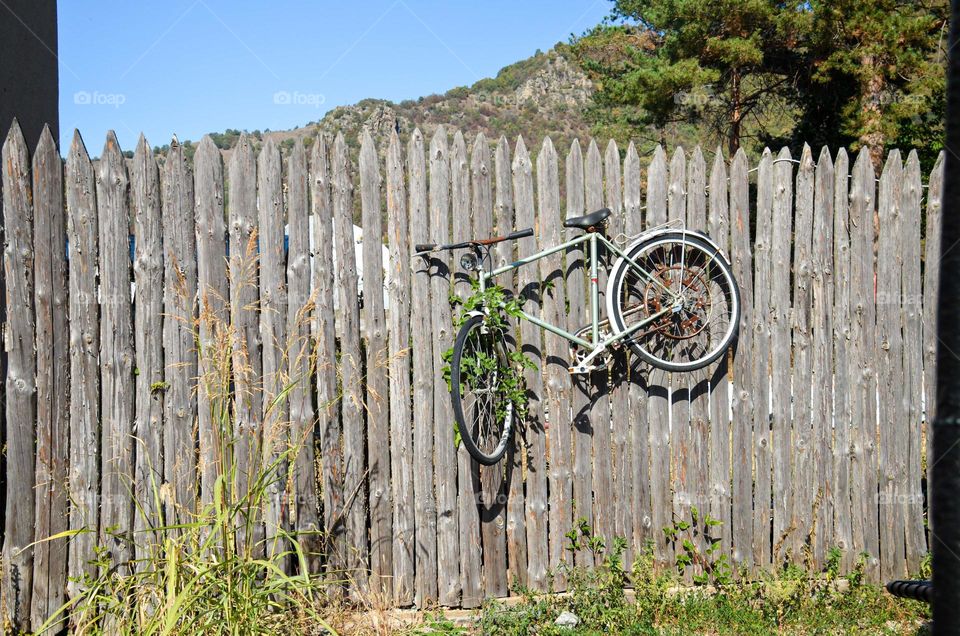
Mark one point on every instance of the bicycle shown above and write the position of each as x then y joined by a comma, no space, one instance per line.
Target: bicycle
671,297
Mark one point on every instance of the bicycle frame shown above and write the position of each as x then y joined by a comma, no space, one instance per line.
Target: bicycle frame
595,345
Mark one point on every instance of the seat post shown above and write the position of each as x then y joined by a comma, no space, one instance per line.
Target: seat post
594,291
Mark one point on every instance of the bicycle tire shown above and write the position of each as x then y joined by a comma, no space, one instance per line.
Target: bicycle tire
725,273
467,431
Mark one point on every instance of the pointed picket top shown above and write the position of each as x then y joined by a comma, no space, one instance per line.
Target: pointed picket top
741,157
825,159
242,154
415,156
893,163
46,143
269,148
503,145
143,150
612,149
696,189
318,161
863,166
806,158
547,148
340,160
657,188
521,158
888,204
368,156
208,156
393,149
633,157
299,153
593,161
438,143
913,163
719,162
15,135
458,151
613,186
547,179
480,154
111,161
697,156
575,149
632,192
78,149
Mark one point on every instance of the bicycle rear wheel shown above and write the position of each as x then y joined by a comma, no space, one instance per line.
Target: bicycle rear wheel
692,333
480,385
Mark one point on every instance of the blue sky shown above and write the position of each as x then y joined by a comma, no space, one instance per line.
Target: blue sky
194,66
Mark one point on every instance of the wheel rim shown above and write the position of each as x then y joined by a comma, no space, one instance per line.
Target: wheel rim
692,330
483,394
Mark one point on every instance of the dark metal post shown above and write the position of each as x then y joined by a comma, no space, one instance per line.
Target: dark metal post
29,68
945,466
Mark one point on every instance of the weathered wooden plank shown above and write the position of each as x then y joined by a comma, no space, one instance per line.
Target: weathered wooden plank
931,287
148,341
421,333
20,406
821,323
273,336
493,512
578,318
681,455
658,388
350,370
620,407
213,299
802,508
889,364
325,337
761,361
116,353
862,371
246,363
533,428
301,304
842,381
445,458
53,382
639,434
513,461
603,482
698,454
742,391
912,293
377,382
471,581
398,325
779,318
179,350
555,363
80,194
720,433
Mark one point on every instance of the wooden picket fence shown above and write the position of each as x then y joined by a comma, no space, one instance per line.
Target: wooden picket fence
809,437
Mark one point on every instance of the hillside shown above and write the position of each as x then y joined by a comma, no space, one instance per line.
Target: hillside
546,94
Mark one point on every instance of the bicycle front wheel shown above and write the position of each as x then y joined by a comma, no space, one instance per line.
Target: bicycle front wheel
481,382
686,297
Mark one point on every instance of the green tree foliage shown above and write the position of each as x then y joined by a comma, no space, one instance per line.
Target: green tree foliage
879,65
866,73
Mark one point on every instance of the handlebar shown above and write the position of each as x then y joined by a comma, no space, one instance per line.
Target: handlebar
423,248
